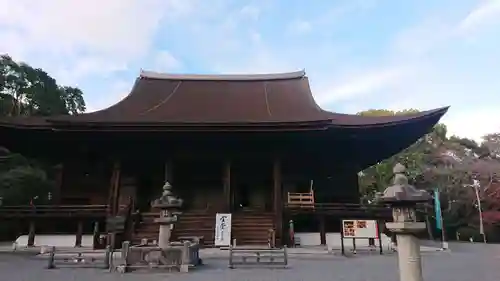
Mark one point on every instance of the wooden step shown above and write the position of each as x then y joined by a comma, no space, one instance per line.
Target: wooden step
249,228
252,228
253,224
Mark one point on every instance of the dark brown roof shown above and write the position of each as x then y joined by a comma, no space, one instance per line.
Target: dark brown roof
210,100
24,121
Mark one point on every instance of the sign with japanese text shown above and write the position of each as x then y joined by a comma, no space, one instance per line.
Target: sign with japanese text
222,229
359,229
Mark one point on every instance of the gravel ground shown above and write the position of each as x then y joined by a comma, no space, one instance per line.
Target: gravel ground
465,262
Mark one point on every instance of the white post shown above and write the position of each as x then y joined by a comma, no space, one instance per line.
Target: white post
480,209
185,259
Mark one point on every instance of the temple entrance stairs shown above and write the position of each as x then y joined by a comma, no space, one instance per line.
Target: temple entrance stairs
248,227
146,228
191,223
252,227
196,223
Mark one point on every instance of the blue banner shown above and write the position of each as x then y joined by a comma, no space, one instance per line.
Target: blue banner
437,209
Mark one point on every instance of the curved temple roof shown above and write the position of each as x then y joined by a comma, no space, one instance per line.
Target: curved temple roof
211,100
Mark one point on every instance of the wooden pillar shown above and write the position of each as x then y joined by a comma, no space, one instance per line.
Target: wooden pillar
114,190
96,236
168,171
31,234
114,194
79,234
322,232
277,204
59,173
227,186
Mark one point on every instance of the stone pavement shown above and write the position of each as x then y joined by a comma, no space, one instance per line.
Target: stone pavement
465,262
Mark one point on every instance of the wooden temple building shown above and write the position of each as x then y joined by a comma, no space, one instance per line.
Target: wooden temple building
256,146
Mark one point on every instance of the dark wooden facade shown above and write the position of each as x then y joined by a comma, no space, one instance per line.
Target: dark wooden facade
234,144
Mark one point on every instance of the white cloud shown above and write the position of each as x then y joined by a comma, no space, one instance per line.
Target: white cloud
260,61
300,27
361,84
114,93
165,62
71,74
487,12
68,26
418,40
473,123
255,37
439,84
84,36
427,81
250,12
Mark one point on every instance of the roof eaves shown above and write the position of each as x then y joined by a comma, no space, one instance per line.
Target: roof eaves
223,77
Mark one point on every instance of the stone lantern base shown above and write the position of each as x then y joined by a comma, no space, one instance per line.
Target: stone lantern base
166,224
409,257
406,227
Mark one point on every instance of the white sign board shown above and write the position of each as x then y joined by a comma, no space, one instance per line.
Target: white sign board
222,229
360,229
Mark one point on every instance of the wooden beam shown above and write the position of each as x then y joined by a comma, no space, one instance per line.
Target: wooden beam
79,234
277,194
227,186
322,231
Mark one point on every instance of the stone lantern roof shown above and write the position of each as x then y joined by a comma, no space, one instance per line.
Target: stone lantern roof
401,192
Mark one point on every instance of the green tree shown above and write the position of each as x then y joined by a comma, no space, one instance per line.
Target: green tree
491,143
25,90
416,158
451,164
29,91
463,164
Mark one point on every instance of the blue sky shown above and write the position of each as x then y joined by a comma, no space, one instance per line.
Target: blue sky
358,54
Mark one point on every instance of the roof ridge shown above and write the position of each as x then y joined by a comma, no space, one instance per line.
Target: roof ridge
223,77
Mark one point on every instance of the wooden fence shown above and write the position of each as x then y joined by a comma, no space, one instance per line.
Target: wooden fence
259,257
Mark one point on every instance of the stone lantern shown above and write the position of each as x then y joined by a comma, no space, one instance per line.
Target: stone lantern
170,208
403,199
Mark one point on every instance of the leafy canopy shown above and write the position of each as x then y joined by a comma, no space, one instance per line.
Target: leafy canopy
29,91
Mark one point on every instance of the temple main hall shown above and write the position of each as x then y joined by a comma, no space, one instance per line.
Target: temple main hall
256,146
